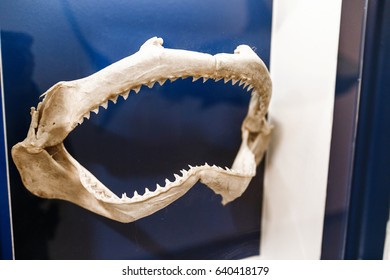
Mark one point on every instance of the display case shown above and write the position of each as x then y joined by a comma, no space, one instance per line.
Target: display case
138,142
322,190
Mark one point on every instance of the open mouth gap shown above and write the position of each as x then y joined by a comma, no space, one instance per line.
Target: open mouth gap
138,178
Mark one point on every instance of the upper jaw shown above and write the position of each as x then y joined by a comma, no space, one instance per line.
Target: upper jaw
151,64
67,104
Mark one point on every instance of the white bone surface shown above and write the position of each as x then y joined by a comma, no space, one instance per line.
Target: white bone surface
49,171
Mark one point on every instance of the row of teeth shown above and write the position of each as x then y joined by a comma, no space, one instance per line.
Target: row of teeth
242,81
102,194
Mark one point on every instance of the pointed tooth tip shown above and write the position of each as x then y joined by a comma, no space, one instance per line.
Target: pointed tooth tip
104,105
125,95
114,99
151,84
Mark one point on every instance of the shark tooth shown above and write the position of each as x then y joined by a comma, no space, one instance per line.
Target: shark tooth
147,191
159,188
125,95
96,110
151,84
137,89
114,99
167,182
104,105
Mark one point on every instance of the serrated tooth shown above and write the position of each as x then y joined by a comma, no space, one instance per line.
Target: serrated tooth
114,99
190,166
137,89
184,172
151,84
245,85
206,164
135,194
104,105
81,121
172,79
177,177
124,196
161,82
87,115
184,77
225,80
125,95
227,169
195,79
218,79
205,79
234,81
167,182
241,82
147,191
158,187
96,110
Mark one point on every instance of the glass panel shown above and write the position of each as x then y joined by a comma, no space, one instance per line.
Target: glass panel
139,142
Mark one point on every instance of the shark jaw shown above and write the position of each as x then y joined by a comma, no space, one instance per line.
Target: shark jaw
49,171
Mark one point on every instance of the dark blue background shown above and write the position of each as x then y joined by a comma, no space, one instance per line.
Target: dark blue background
139,142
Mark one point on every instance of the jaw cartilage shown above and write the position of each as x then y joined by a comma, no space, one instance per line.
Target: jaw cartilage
49,171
